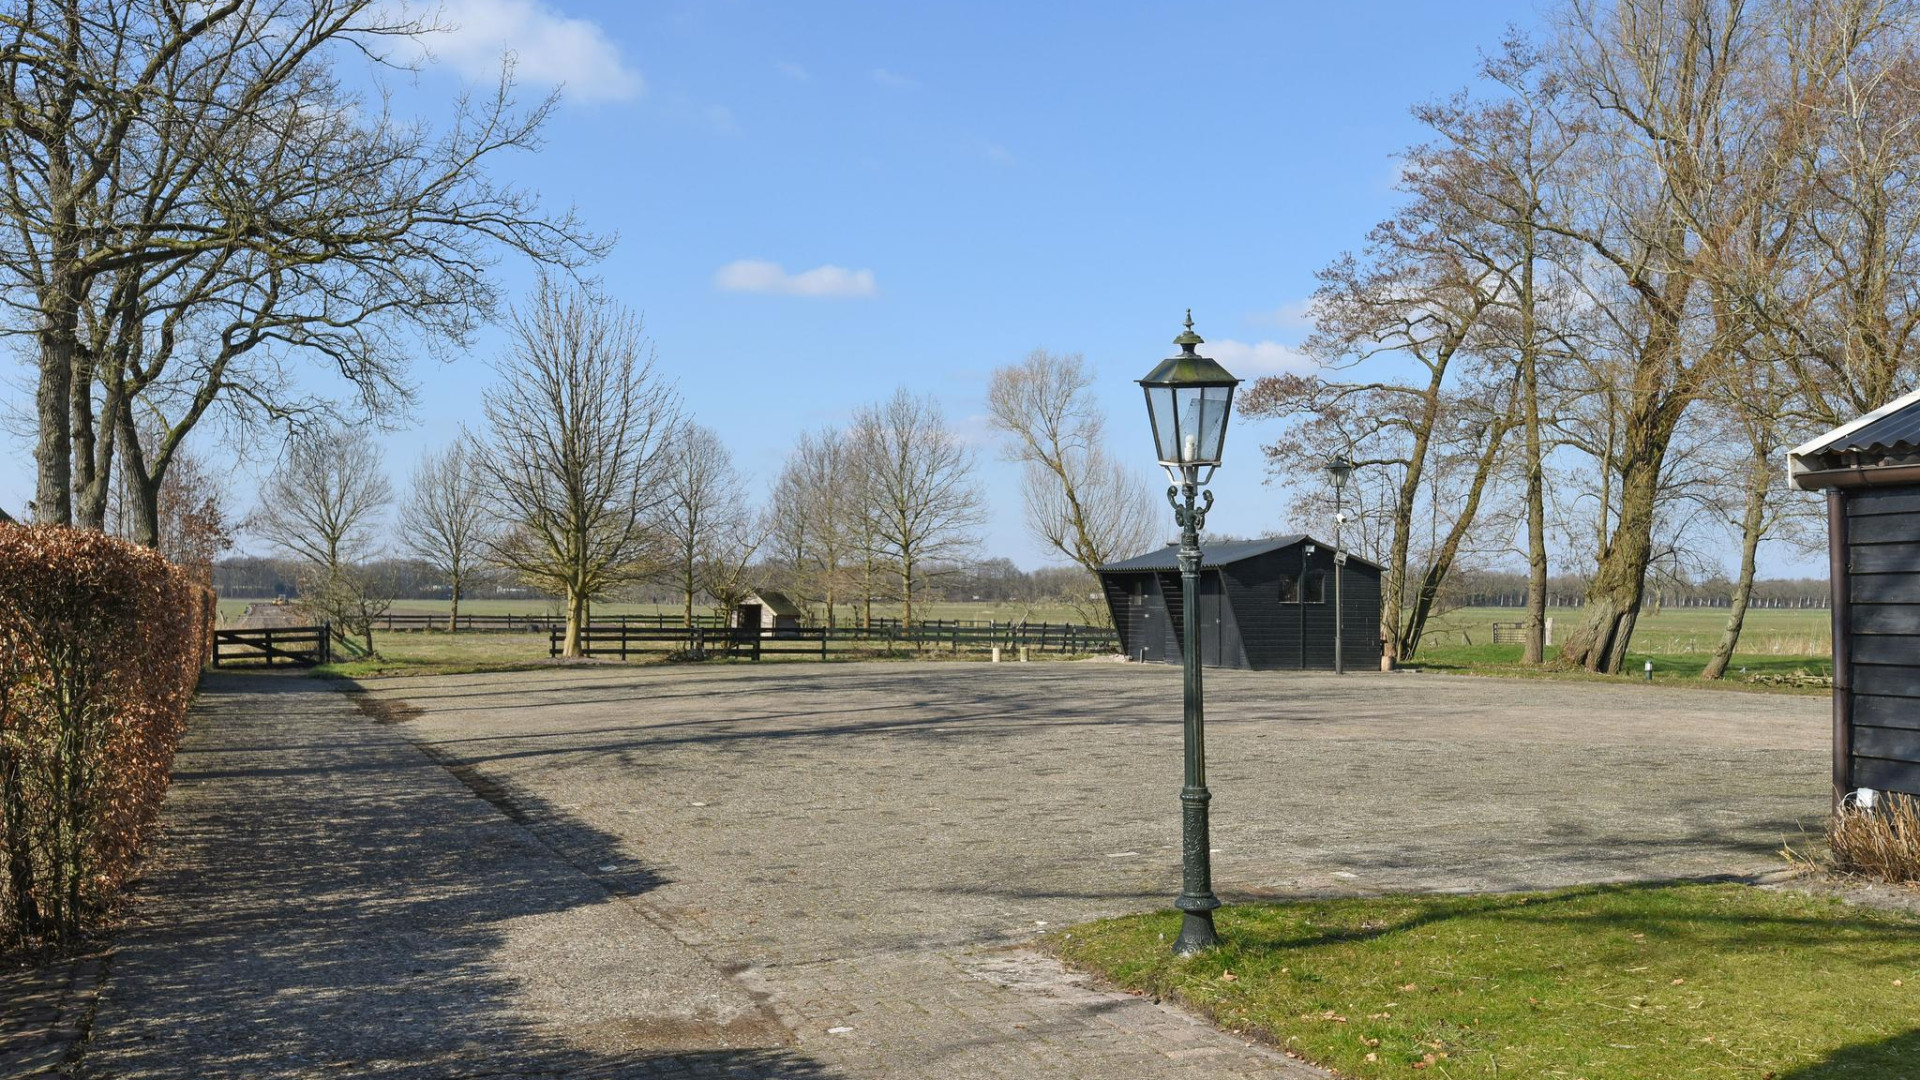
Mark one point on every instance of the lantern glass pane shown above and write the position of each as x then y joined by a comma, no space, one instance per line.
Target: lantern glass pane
1166,422
1204,431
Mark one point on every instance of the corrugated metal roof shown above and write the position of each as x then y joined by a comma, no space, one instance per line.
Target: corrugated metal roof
1168,558
1211,555
1894,426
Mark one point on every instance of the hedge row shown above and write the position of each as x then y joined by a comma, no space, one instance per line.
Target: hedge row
101,645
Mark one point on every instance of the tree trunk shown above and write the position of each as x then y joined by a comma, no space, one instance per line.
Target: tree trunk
1393,584
1442,564
53,452
576,620
1599,643
453,608
1534,637
906,592
143,490
1752,524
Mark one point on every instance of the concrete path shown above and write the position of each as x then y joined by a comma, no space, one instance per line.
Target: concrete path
833,871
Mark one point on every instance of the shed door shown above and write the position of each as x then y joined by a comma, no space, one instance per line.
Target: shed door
748,617
1148,618
1210,628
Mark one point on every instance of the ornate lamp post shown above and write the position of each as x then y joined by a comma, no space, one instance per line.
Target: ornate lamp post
1338,469
1188,400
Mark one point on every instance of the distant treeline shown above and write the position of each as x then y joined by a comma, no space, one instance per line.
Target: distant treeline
1493,588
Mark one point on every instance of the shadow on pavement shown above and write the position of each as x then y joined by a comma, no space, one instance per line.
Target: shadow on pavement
328,903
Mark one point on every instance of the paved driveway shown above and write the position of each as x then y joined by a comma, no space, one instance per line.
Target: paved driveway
863,847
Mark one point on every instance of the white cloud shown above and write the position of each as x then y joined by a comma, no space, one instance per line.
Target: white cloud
1252,359
1292,315
547,46
892,79
792,71
761,276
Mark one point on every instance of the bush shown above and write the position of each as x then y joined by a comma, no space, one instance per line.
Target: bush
1882,842
101,645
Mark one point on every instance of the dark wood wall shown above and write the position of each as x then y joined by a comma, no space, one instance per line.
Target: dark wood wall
1878,737
1243,622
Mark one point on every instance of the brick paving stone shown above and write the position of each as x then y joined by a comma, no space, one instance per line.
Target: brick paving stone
866,845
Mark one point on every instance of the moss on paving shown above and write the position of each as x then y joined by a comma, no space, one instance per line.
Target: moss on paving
1600,983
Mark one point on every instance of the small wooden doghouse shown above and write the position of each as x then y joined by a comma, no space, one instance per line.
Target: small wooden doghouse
771,611
1870,470
1264,605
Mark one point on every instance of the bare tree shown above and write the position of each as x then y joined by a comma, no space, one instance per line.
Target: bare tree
704,521
815,520
444,521
1080,501
193,199
194,526
324,505
923,506
1426,289
570,458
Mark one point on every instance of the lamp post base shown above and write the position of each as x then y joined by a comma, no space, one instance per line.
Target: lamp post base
1196,933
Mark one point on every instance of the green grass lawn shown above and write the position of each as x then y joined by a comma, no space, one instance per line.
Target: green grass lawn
1601,983
1674,631
441,654
1775,643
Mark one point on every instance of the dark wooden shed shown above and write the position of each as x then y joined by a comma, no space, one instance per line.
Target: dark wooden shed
1870,470
1264,604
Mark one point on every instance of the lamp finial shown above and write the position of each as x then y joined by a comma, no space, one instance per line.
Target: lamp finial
1188,339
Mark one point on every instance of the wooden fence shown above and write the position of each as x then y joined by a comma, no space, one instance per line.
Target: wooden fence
298,646
527,624
700,642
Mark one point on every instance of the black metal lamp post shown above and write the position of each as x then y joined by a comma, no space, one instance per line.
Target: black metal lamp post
1188,399
1338,470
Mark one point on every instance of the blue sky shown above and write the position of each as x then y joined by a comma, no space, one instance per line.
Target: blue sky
819,202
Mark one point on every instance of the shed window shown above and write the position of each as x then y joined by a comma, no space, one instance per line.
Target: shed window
1316,590
1289,589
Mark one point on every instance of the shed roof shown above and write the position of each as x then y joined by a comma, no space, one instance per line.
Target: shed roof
778,603
1893,425
1213,555
1892,429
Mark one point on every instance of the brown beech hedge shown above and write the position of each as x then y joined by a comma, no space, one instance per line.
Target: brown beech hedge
101,645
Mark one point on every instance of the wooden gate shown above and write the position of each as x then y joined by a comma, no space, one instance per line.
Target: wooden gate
297,646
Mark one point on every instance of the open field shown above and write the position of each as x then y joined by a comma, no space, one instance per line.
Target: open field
1776,642
1672,632
1053,613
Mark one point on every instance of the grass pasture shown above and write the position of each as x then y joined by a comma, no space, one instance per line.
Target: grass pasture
1678,641
1781,642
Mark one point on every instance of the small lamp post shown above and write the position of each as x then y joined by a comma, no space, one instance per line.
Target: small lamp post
1338,470
1188,400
